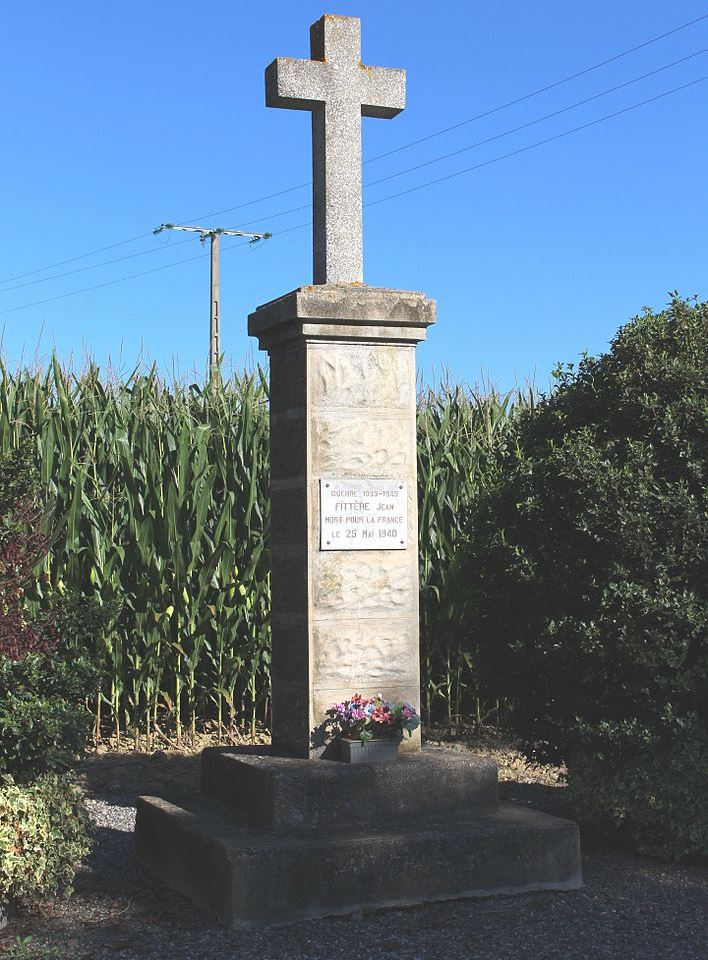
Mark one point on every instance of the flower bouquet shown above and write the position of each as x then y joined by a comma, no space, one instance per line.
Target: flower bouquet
370,728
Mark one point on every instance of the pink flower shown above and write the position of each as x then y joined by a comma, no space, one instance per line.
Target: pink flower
381,715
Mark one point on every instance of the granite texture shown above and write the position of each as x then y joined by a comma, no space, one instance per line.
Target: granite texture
338,90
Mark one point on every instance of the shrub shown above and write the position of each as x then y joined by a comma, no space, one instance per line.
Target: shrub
587,569
43,836
43,826
43,683
648,783
44,720
23,544
39,730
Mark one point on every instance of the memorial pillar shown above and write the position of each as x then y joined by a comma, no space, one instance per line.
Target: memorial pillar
343,501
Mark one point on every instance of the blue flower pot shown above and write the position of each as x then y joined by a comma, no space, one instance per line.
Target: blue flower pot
369,751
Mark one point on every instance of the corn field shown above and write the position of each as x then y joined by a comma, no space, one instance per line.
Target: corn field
460,432
160,502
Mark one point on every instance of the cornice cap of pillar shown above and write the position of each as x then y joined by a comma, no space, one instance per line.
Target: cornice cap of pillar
347,311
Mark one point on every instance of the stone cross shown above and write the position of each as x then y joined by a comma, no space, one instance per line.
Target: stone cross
338,89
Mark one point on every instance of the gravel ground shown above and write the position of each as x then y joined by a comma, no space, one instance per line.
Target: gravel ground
630,907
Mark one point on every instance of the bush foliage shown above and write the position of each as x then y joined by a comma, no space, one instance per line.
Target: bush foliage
43,718
647,782
587,574
43,835
43,723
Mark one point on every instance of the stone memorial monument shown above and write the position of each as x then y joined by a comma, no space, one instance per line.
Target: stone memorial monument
291,833
342,362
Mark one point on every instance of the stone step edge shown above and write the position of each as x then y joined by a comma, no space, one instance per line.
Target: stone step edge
212,862
285,794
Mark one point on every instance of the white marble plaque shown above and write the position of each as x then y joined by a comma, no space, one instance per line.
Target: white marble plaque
363,515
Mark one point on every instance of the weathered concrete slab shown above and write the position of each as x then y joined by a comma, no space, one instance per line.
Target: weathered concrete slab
290,795
253,878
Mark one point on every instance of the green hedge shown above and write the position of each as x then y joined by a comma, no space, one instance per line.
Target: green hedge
648,784
586,568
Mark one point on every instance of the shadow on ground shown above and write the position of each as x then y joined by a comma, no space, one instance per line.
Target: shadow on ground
630,908
124,777
550,799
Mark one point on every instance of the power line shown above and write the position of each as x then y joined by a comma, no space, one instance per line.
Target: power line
95,266
531,123
480,116
536,93
540,143
109,283
251,203
405,146
81,256
512,153
392,196
497,136
391,176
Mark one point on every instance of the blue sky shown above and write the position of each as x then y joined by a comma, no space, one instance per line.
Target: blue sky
121,115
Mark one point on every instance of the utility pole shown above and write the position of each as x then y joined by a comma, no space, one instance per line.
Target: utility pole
213,234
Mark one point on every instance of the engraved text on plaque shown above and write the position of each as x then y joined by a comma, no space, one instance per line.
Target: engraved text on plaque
363,514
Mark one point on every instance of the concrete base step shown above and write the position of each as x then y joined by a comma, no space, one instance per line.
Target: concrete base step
246,877
286,795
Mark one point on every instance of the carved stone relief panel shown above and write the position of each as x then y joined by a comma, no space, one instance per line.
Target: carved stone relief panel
366,654
356,375
360,447
364,584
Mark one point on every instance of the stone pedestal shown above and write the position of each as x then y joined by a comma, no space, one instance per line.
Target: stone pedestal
280,839
343,406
